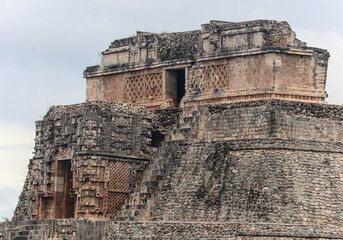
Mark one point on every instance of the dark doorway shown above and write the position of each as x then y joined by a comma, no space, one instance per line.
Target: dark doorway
180,84
175,83
64,200
156,139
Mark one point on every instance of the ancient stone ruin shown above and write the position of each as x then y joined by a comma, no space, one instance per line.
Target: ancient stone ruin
218,133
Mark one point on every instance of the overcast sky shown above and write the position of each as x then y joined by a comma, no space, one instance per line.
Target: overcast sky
46,44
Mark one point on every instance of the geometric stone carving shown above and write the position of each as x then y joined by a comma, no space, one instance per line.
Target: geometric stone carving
209,78
118,186
144,86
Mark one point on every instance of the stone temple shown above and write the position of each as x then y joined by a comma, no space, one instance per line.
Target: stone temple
218,133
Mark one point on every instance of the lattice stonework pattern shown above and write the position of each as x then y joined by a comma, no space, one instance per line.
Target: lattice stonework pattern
115,201
212,77
119,176
144,86
118,186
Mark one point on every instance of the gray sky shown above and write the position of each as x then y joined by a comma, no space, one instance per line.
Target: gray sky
45,46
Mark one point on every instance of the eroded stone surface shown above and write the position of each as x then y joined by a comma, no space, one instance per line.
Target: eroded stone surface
75,147
222,62
253,163
226,160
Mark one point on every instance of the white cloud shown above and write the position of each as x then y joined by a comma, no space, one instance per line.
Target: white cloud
7,196
16,146
14,166
12,134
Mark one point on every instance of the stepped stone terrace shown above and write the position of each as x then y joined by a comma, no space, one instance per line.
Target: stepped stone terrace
218,133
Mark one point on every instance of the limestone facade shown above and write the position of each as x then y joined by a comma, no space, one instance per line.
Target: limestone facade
222,62
219,133
87,157
267,168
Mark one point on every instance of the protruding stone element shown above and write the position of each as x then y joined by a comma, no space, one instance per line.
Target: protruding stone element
86,159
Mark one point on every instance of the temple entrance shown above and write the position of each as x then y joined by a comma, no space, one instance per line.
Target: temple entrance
180,84
174,83
64,205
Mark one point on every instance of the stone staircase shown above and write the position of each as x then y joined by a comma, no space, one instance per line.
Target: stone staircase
56,229
27,230
186,126
137,206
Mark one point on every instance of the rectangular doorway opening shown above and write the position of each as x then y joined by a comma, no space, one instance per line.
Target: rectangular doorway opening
175,81
64,207
180,84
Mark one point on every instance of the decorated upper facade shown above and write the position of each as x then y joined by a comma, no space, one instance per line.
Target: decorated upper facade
222,62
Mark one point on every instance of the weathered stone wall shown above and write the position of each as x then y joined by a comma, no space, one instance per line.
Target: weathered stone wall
241,168
53,229
215,183
266,169
138,87
101,230
251,76
271,162
279,119
78,149
219,230
223,62
233,36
